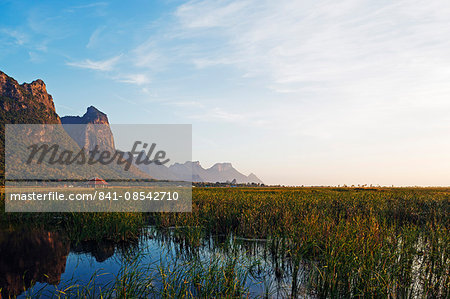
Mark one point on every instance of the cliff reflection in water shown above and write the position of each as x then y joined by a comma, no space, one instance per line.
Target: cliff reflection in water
101,251
30,256
36,260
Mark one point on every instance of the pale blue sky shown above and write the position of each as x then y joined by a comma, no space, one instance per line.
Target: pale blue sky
298,92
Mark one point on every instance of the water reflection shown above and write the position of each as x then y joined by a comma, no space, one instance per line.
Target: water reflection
101,251
272,269
28,256
39,258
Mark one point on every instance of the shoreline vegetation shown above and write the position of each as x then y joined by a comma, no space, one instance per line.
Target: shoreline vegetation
349,242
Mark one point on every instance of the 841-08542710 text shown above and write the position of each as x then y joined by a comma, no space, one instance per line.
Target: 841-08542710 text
96,195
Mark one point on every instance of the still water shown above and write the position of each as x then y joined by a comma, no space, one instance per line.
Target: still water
39,263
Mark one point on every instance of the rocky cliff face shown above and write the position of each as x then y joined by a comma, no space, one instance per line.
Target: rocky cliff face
92,116
26,103
30,103
91,129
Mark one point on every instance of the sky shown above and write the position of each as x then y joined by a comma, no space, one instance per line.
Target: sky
305,92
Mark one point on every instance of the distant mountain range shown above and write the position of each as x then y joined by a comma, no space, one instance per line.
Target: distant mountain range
31,104
219,172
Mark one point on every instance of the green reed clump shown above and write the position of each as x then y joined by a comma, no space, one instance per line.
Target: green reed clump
79,226
103,226
214,277
377,242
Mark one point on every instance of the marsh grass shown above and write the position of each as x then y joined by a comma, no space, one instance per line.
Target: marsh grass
378,242
215,277
79,226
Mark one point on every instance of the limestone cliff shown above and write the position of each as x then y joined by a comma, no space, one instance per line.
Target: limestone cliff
27,103
91,129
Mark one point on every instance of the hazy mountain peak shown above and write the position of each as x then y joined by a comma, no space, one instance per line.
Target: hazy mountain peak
196,163
219,172
222,166
190,164
253,178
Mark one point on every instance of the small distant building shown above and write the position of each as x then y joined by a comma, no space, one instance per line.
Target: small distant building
96,182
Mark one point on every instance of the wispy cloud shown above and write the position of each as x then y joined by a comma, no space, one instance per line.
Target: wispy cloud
98,6
95,4
35,57
112,70
211,13
334,80
97,65
18,37
93,39
137,79
341,44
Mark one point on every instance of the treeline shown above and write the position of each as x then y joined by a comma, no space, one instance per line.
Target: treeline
226,184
